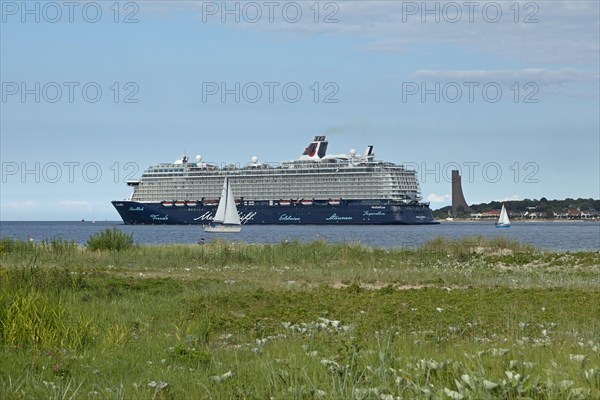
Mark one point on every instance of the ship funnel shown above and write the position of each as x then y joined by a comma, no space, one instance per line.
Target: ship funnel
316,150
369,152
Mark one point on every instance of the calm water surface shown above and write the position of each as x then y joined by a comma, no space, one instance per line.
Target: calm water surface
559,236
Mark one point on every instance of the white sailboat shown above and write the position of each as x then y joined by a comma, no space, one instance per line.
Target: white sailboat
503,221
226,218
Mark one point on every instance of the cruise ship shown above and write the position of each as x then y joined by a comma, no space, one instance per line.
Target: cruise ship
317,188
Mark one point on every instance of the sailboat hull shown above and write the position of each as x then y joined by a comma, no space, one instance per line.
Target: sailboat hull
223,228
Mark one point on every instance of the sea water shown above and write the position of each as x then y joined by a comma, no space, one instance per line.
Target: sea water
558,236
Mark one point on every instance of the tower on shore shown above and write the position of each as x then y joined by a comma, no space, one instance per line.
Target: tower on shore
458,198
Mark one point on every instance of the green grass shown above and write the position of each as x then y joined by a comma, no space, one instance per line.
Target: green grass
472,319
110,240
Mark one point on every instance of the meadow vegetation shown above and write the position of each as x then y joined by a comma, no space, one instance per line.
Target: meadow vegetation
474,318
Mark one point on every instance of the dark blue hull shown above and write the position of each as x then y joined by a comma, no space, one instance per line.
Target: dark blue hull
358,213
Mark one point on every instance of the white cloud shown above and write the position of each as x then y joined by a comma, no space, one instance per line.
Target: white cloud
511,198
568,82
435,198
563,33
540,76
20,205
74,203
556,32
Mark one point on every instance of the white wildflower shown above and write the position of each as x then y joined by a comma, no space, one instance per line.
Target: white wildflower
453,329
577,357
499,352
589,374
364,392
468,380
565,384
453,395
580,393
327,362
222,378
512,376
158,385
489,385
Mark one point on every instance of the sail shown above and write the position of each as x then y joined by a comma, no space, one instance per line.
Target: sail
220,214
227,211
231,214
503,220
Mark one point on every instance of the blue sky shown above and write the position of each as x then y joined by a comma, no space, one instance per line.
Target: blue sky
387,74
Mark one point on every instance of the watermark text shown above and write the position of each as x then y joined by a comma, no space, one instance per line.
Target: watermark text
68,92
252,12
471,171
53,12
454,92
67,172
453,12
269,92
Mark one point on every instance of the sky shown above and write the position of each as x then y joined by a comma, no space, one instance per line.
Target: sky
92,93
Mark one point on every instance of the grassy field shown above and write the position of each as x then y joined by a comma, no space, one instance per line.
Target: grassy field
468,319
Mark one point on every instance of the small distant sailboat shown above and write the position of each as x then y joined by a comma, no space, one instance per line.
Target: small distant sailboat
226,218
503,221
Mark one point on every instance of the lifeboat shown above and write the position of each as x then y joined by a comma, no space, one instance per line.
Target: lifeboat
334,202
306,202
211,202
167,204
179,203
191,203
285,202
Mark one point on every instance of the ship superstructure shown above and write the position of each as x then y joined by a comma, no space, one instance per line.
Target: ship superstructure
318,188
